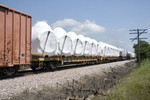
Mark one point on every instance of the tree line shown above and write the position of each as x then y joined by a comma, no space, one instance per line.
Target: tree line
144,50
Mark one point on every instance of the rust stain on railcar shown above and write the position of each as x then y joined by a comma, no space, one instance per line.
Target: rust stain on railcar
2,26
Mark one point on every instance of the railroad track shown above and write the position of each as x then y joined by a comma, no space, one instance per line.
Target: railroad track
22,73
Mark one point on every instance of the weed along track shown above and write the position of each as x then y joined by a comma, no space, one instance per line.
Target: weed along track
70,83
93,84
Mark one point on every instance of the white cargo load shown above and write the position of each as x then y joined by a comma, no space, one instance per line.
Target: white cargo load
48,43
94,47
105,48
77,45
100,51
64,42
86,45
39,34
45,41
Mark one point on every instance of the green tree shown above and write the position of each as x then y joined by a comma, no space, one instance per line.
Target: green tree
144,50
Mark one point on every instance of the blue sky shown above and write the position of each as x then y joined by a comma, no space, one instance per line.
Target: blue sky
104,20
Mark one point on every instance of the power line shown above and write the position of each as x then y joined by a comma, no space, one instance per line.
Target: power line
138,32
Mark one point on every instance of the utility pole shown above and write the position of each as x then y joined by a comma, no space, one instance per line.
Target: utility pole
138,32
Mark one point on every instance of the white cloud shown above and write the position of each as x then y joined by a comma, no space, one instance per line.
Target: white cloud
121,29
65,23
86,27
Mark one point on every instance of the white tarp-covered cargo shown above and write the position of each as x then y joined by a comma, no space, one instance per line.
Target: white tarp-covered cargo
100,50
123,53
77,45
48,43
94,47
107,50
133,55
82,38
86,45
45,41
114,51
103,48
64,41
39,33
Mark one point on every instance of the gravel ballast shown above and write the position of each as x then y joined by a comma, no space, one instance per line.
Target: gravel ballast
35,82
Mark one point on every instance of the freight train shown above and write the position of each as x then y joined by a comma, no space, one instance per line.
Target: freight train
17,47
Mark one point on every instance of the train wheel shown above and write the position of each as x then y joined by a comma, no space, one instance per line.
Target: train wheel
53,66
98,61
2,71
47,66
33,67
11,70
50,66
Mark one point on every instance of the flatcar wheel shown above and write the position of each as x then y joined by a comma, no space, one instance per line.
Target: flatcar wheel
95,62
52,66
55,65
47,66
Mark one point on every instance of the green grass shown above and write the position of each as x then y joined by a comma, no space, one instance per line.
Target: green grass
135,86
